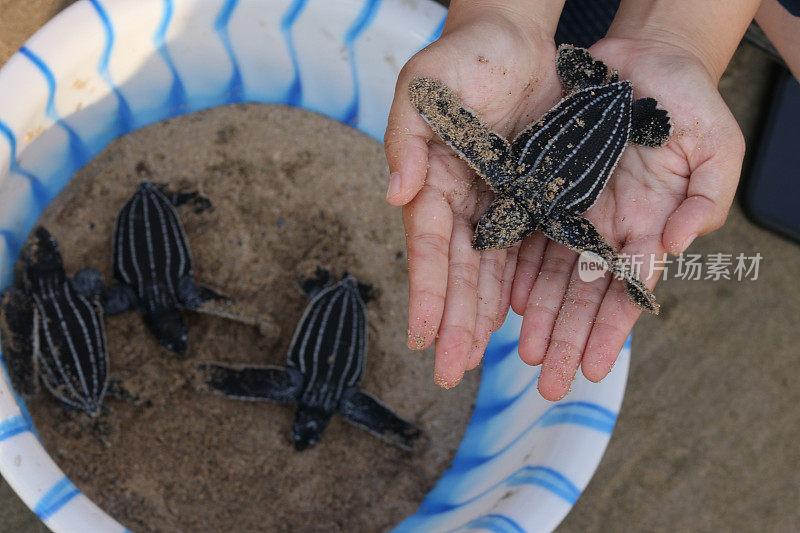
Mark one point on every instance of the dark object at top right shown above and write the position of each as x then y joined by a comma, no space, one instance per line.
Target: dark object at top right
772,192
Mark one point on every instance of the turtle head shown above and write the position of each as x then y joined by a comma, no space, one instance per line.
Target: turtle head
169,328
309,423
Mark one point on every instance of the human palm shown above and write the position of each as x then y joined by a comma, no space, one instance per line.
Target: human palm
657,201
459,296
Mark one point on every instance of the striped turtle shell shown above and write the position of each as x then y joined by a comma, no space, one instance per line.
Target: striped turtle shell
325,364
556,169
67,344
151,254
329,345
583,138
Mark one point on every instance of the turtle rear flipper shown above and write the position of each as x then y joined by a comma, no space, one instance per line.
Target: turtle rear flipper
364,411
504,224
193,296
641,296
650,125
578,234
577,69
42,260
17,319
259,383
484,151
202,299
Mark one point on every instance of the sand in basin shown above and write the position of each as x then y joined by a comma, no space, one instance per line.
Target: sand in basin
292,191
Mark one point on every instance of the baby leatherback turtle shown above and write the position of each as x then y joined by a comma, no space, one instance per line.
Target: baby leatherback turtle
53,328
324,367
153,269
558,166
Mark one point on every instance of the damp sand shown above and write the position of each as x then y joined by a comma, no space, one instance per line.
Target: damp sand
292,191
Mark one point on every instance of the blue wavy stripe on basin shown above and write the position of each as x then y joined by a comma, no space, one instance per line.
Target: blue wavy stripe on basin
13,427
57,497
494,523
235,89
500,425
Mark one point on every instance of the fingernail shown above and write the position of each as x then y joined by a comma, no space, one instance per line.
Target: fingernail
416,341
445,383
688,242
394,185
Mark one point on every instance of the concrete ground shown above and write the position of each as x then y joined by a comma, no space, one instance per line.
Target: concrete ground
708,435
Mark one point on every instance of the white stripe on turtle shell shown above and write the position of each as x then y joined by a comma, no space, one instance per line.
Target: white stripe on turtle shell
132,246
561,132
100,338
305,320
174,234
568,103
320,335
87,341
167,251
609,161
356,351
363,344
70,342
597,157
334,356
119,236
148,238
51,385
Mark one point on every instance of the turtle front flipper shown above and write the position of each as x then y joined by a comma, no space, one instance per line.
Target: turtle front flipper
578,234
364,411
486,152
17,319
257,383
315,284
504,224
89,283
577,69
650,125
180,198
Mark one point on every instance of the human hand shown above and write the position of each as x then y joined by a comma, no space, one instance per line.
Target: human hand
657,201
505,71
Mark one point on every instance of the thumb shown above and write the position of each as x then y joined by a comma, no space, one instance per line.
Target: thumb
406,144
711,189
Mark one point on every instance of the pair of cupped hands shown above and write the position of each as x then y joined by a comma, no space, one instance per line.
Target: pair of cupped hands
657,201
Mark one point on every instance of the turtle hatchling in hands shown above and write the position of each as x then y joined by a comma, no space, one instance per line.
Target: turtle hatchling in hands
558,166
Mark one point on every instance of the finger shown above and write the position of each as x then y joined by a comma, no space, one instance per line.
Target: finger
406,145
429,223
508,283
710,193
529,260
490,287
617,315
460,310
545,301
571,331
